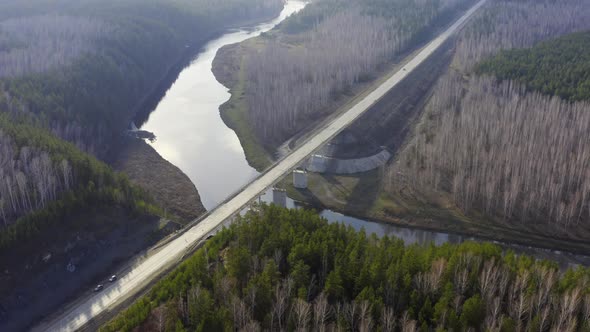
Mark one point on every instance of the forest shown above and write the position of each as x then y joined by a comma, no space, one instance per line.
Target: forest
72,75
557,67
318,55
493,142
45,178
289,270
82,69
513,154
37,44
512,24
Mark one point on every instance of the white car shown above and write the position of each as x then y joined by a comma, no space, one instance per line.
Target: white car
113,278
98,288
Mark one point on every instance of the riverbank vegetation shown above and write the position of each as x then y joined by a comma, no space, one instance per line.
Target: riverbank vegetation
171,189
416,189
281,269
297,73
495,145
76,72
73,74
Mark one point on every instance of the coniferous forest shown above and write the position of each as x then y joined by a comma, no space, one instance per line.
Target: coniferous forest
557,67
289,270
45,178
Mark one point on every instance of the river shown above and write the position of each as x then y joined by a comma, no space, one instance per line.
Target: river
191,134
189,130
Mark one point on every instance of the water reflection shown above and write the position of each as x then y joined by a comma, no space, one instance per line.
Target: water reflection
418,236
409,235
189,130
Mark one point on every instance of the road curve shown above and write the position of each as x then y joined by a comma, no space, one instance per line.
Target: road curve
77,315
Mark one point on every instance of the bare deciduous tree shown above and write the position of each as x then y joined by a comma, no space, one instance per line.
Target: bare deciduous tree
46,42
289,87
161,319
566,315
321,312
407,324
30,179
302,311
365,318
495,147
281,302
388,321
240,312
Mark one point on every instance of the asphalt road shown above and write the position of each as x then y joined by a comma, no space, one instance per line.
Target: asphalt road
78,314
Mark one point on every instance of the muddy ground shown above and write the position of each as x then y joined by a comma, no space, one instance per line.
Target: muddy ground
171,188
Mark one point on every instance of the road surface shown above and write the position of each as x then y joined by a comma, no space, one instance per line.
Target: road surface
76,316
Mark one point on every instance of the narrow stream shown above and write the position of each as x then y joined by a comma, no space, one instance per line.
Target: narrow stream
191,134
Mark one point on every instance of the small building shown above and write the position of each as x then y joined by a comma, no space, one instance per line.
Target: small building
300,179
279,197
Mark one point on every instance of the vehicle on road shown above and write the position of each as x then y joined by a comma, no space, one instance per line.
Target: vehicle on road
113,278
209,236
98,288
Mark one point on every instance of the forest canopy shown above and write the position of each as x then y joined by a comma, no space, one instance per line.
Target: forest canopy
83,68
290,270
317,56
557,67
44,178
498,146
72,76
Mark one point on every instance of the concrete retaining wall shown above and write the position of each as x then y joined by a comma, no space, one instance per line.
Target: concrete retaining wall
322,164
